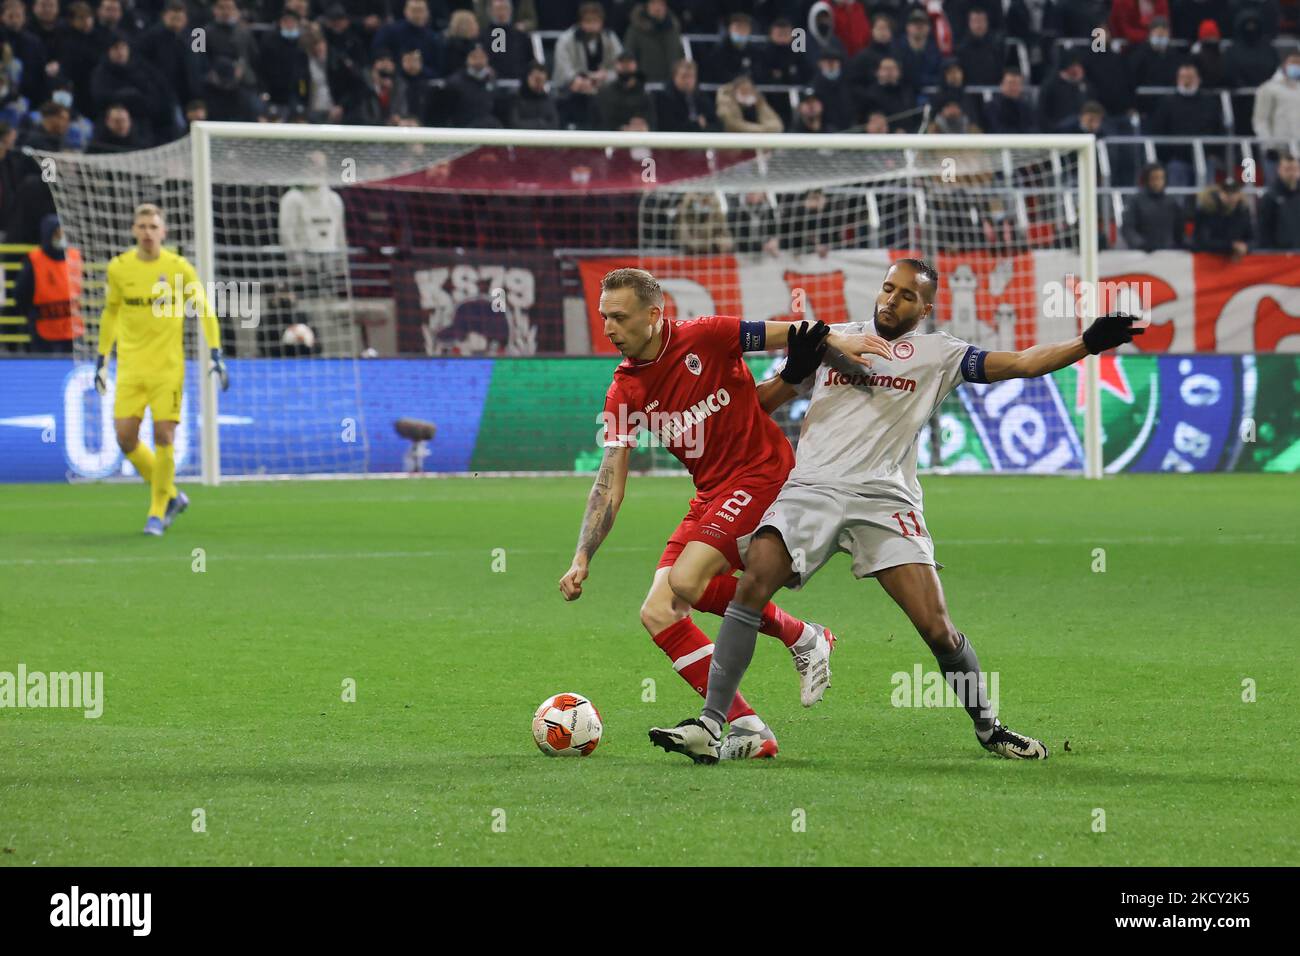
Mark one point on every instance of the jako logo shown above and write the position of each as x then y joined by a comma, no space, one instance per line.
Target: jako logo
834,377
103,909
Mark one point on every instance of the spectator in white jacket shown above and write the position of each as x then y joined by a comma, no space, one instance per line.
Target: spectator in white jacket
311,220
1277,109
584,62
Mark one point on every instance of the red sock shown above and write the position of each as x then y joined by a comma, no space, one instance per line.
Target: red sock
690,650
776,622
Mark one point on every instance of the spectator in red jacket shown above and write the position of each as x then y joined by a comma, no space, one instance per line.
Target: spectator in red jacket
1130,20
851,26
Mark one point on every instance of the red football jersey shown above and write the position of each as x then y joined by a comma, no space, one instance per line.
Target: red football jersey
699,397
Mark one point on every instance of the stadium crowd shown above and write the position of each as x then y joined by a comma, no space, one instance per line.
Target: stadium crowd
1153,76
130,74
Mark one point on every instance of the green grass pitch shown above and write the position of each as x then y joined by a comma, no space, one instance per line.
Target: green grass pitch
224,688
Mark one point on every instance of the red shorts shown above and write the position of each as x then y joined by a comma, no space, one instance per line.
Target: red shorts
720,520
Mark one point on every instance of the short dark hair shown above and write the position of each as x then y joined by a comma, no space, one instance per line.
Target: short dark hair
1092,107
51,108
925,271
646,286
588,9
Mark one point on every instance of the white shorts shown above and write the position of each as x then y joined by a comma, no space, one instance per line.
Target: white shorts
816,522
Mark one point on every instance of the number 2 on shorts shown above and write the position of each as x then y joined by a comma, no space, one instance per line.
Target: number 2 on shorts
737,501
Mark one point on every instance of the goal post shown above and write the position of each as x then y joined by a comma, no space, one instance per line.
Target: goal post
1002,216
204,265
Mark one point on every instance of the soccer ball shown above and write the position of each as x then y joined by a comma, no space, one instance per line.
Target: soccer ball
299,334
567,725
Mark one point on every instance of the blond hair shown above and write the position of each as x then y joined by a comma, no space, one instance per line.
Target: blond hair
641,282
147,209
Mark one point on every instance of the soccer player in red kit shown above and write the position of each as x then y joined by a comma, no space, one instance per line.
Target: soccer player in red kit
687,383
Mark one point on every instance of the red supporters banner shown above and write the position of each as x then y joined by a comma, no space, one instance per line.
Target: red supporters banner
1196,302
478,303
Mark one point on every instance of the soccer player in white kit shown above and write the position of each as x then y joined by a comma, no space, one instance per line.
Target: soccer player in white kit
854,489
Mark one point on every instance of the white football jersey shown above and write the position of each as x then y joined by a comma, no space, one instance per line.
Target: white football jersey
861,427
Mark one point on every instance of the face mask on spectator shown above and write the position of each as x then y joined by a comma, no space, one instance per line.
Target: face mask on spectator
831,72
746,99
291,34
1293,71
63,98
1186,91
739,39
59,243
1159,42
479,74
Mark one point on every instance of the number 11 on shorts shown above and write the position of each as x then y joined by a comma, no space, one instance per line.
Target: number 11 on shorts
918,531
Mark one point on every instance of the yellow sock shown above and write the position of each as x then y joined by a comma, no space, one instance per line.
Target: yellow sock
142,458
163,483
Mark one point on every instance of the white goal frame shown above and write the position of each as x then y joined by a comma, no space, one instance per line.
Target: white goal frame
205,132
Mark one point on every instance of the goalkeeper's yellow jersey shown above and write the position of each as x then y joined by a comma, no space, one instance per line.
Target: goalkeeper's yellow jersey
144,314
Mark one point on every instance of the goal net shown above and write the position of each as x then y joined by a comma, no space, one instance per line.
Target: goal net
481,252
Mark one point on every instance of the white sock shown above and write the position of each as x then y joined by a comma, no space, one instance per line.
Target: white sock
753,723
714,727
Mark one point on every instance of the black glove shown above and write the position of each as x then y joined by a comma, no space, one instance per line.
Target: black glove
219,369
101,375
1110,331
807,345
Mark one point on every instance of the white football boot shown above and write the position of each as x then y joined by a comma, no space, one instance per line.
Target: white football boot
814,666
1014,746
749,739
692,737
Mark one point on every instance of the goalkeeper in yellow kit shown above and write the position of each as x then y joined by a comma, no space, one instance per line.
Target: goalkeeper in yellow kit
144,315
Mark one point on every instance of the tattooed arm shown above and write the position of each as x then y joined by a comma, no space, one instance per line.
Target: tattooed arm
602,505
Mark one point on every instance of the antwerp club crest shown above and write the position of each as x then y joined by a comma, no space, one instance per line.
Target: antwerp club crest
693,364
902,350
